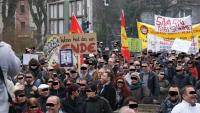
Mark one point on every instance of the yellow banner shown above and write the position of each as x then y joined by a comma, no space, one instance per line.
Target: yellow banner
144,29
124,37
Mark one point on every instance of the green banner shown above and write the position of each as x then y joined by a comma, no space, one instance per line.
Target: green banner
134,45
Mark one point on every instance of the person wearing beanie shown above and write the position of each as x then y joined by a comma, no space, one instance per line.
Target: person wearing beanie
95,103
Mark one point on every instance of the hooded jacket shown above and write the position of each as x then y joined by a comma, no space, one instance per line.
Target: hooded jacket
10,65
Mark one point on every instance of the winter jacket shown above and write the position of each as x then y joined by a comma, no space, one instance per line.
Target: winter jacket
96,104
167,105
60,92
72,106
10,65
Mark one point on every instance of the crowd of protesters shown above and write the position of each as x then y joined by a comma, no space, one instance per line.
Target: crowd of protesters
103,84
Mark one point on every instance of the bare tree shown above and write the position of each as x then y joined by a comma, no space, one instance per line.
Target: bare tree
38,12
8,18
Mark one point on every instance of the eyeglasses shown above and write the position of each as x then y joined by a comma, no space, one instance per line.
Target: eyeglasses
21,95
33,107
132,106
50,81
29,77
173,93
50,104
83,68
46,89
120,82
134,78
88,90
20,78
192,92
55,83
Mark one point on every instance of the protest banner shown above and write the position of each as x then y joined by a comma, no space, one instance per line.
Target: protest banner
157,44
134,45
172,25
80,43
181,45
66,58
144,29
28,57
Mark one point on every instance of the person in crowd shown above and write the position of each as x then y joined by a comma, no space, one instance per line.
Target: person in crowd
125,68
58,89
126,109
171,100
95,103
136,87
50,82
122,90
132,103
34,66
68,82
164,85
150,83
73,74
44,93
91,69
108,91
82,83
193,69
53,105
170,70
30,86
132,69
10,65
21,101
180,79
20,78
72,103
188,72
137,66
189,103
84,73
33,106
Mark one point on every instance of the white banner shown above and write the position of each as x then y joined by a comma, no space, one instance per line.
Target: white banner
157,44
172,25
181,45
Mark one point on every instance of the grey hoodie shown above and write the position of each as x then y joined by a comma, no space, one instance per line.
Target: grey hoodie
10,65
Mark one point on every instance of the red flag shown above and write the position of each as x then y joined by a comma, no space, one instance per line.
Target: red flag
74,26
124,42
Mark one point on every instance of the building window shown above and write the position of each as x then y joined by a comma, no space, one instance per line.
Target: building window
22,26
185,12
56,18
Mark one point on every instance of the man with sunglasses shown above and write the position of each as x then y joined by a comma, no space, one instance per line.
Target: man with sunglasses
128,75
84,72
95,103
44,92
171,100
53,105
189,101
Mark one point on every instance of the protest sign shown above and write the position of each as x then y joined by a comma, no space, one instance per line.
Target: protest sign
134,45
66,58
157,44
144,29
172,25
181,45
28,57
80,43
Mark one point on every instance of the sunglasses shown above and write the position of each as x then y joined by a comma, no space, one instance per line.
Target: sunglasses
50,69
192,92
144,66
83,68
178,70
55,83
88,90
20,78
120,82
132,69
22,95
46,89
67,73
55,75
29,77
170,61
134,78
125,68
72,71
50,104
131,63
132,106
68,84
173,93
32,107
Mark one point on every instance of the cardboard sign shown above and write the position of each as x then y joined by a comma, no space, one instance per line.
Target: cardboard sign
181,45
28,57
172,25
80,43
66,58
